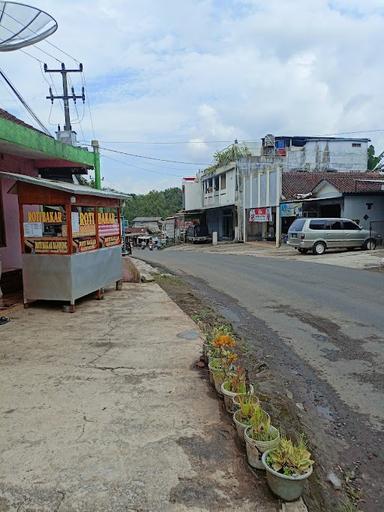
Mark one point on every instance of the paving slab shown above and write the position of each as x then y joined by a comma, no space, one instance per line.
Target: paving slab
104,410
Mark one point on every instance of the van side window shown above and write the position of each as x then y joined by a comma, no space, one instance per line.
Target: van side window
317,224
350,225
335,225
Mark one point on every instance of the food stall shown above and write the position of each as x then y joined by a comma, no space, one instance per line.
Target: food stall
70,239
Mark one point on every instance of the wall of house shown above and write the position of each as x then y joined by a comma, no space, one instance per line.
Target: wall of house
323,155
224,196
192,195
355,207
10,255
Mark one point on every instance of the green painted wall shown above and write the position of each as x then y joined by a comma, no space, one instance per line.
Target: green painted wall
27,138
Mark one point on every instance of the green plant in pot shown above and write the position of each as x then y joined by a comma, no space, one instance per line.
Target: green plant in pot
288,466
221,366
216,332
259,437
245,405
235,385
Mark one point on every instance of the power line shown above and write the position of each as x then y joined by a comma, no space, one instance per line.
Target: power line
24,103
141,168
150,157
168,143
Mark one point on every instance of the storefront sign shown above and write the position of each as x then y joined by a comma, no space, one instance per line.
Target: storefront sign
89,244
291,209
51,246
47,217
109,229
260,215
109,241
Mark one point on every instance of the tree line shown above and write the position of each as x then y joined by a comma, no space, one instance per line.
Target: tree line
155,203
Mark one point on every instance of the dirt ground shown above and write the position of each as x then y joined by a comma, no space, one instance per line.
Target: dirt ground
274,385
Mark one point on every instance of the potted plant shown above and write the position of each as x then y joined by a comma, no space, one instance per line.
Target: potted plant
215,333
242,416
288,466
221,365
235,385
216,372
259,437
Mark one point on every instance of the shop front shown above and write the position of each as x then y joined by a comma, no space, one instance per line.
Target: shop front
70,238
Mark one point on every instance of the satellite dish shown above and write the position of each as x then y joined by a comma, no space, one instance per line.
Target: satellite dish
22,25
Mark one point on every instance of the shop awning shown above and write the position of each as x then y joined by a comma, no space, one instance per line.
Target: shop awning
71,188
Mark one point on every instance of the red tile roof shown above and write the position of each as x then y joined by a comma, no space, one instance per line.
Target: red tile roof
9,117
304,182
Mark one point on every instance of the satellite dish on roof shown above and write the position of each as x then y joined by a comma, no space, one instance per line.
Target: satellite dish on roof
22,25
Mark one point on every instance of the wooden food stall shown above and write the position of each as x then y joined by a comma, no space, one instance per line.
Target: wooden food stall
70,239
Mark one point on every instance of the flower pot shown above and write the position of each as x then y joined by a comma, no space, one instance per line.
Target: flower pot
218,377
256,448
229,396
288,488
240,427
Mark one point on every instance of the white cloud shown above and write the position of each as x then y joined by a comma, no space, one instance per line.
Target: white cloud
202,70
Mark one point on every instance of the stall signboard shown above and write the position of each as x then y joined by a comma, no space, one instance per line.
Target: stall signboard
260,215
86,244
109,229
291,209
44,230
50,246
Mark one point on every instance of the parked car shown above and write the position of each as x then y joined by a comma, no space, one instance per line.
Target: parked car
198,234
319,234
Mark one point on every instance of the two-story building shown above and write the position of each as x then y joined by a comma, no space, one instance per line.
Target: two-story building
214,197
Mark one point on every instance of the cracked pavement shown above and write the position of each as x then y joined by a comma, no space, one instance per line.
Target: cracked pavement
103,410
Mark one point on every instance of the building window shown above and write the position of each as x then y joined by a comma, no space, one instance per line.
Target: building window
223,181
356,145
216,182
2,223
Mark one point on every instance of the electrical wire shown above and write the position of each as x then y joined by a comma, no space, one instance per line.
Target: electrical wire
141,168
24,103
166,143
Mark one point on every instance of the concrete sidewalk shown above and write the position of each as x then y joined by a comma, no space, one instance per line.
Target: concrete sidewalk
103,410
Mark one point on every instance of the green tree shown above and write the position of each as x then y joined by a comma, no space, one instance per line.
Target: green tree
156,203
374,160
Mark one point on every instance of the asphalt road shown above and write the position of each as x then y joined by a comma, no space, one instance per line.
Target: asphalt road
329,320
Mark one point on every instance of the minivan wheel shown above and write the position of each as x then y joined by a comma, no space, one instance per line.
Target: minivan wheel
370,245
319,248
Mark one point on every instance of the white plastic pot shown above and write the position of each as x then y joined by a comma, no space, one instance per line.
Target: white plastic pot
255,448
288,488
218,377
240,427
229,396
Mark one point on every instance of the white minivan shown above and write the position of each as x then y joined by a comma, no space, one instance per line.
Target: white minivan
319,234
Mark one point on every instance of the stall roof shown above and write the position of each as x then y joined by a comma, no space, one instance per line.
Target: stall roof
71,188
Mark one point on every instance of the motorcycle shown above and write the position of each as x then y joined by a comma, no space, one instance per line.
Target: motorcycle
150,246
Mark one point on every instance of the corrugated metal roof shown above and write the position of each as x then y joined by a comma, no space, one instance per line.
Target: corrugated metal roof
71,188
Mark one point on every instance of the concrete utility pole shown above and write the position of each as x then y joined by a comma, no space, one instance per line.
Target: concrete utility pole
68,135
96,154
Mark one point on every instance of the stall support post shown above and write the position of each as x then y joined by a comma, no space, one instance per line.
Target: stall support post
96,157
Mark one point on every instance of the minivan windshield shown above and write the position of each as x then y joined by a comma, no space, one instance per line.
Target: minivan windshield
297,225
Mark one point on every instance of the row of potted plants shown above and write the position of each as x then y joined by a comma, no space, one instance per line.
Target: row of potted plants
287,464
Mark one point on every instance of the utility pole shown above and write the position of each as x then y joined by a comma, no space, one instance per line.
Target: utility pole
67,135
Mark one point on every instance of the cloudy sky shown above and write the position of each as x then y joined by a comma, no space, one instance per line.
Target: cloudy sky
166,71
